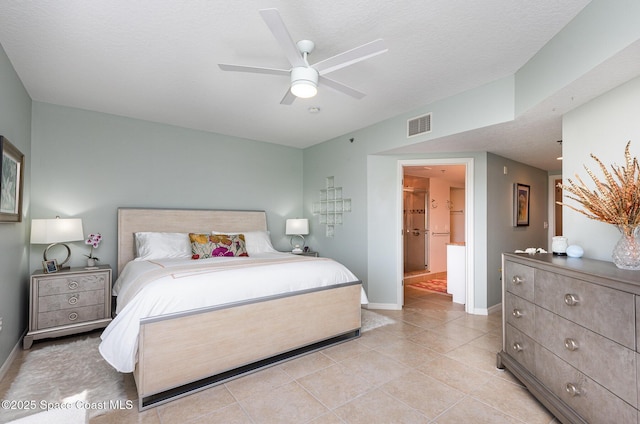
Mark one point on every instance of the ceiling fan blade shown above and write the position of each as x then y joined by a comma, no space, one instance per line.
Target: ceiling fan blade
275,23
288,98
350,57
254,69
341,87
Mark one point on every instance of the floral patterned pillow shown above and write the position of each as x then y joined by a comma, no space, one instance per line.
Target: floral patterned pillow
205,246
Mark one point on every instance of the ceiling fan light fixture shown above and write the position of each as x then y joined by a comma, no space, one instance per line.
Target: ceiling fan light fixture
304,82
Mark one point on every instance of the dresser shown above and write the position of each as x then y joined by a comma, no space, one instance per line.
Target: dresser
570,331
68,302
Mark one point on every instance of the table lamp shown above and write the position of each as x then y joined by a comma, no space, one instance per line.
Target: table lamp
298,227
56,232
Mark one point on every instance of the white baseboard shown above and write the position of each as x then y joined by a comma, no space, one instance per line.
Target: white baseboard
488,311
385,306
14,352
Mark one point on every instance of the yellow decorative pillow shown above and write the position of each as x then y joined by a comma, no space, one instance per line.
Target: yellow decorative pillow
205,246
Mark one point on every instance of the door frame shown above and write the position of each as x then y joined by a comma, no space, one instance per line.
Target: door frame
468,218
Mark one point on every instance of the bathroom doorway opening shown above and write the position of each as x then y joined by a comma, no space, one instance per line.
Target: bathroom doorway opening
435,221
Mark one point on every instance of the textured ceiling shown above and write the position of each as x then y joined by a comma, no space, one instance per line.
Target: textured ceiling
157,60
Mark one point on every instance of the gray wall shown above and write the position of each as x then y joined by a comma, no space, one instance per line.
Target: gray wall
504,237
87,164
15,125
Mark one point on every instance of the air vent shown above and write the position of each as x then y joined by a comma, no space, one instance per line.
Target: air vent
419,125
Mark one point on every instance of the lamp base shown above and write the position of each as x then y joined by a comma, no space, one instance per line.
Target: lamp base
61,265
297,249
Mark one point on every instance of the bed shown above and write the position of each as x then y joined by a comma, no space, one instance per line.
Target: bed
178,349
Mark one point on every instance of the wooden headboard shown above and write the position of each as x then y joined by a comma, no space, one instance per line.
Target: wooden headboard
132,220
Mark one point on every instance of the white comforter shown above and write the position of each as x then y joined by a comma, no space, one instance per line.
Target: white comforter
186,290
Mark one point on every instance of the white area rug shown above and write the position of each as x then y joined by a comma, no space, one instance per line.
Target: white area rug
65,376
371,320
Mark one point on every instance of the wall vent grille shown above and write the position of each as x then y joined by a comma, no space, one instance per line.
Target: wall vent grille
419,125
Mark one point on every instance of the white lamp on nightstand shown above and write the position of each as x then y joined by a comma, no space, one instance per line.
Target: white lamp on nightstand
56,232
298,227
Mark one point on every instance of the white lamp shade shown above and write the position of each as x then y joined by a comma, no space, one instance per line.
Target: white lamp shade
47,231
297,226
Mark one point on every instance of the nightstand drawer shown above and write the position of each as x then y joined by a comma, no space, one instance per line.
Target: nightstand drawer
70,316
70,300
72,283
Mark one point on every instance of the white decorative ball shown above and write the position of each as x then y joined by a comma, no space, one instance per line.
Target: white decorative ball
575,251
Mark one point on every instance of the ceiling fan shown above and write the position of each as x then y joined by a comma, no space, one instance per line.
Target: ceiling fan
305,77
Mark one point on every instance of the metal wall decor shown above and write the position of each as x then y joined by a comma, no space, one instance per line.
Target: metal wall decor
331,206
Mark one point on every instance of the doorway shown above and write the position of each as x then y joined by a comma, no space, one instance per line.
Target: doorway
436,214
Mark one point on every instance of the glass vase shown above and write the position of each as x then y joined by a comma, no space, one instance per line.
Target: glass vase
626,253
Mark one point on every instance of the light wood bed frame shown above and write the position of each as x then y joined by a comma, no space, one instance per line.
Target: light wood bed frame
193,350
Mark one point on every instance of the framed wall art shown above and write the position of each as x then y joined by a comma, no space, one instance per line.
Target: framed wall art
521,199
11,180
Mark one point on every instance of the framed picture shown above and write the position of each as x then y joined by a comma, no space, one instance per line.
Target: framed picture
521,198
50,266
11,179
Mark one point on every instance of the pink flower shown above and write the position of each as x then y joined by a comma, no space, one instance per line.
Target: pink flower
93,240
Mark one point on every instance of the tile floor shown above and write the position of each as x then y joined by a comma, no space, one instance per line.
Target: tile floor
435,364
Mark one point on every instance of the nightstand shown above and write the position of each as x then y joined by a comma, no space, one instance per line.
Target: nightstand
68,302
309,253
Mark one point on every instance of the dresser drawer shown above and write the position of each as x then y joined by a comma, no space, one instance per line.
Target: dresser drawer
72,283
70,300
518,279
520,347
519,313
590,400
595,307
606,362
71,316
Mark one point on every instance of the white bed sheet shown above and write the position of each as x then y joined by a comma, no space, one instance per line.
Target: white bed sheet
177,293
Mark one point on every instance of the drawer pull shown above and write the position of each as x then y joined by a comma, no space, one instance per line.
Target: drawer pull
517,347
73,300
73,285
571,299
570,344
517,279
73,316
572,390
517,313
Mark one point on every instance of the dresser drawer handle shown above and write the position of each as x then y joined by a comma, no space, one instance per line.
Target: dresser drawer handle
570,344
517,347
572,390
73,316
73,300
571,299
517,279
517,313
73,285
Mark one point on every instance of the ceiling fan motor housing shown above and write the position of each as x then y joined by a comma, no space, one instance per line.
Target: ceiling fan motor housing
304,82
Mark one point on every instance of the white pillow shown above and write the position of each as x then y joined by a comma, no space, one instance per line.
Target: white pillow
256,241
150,245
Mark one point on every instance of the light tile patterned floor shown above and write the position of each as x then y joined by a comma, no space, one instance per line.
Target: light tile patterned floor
436,364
